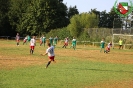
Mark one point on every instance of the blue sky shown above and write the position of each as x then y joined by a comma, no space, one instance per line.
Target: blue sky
87,5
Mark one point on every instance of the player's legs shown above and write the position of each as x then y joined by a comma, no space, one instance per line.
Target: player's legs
24,42
64,45
50,59
31,49
101,49
120,46
44,44
17,42
40,43
74,46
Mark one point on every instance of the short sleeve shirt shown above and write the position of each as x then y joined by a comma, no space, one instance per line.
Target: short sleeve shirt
32,42
50,51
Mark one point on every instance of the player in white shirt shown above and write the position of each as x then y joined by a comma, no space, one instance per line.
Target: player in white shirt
25,40
17,39
50,53
108,47
66,42
32,45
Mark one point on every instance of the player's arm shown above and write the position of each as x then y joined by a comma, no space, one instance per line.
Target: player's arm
44,54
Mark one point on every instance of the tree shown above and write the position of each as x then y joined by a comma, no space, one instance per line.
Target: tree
79,22
37,16
17,10
107,20
72,11
5,27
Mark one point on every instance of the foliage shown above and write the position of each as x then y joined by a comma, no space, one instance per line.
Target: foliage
5,27
79,22
36,16
72,11
61,33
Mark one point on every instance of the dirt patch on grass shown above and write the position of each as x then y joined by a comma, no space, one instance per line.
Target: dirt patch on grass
80,54
114,84
96,55
10,63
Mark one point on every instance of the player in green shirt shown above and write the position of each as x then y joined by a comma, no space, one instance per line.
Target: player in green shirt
73,43
51,41
42,40
28,38
102,45
55,41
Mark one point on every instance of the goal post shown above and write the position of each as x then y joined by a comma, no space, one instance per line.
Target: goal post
126,38
122,28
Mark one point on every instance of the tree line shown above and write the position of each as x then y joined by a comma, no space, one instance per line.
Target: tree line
37,17
33,16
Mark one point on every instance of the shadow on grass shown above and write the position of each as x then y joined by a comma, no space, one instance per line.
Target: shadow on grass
112,70
120,71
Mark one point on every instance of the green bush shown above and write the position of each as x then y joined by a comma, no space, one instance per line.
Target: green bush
61,33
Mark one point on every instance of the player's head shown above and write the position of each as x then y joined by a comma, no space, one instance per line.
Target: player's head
17,33
33,37
49,44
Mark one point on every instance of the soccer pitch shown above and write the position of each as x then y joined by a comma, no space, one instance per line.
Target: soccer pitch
85,67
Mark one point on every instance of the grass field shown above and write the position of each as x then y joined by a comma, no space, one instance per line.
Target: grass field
84,67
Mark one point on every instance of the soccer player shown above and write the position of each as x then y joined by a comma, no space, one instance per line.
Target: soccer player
40,41
25,40
55,41
32,44
65,43
120,44
43,40
51,55
17,39
102,44
28,38
73,43
51,40
108,47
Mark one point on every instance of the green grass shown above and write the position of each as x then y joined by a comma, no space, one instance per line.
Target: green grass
71,75
69,72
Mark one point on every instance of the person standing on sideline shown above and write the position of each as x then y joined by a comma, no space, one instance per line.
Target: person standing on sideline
65,43
51,55
32,45
55,41
51,41
120,44
73,43
102,44
17,39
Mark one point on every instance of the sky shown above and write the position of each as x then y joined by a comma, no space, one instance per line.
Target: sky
87,5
